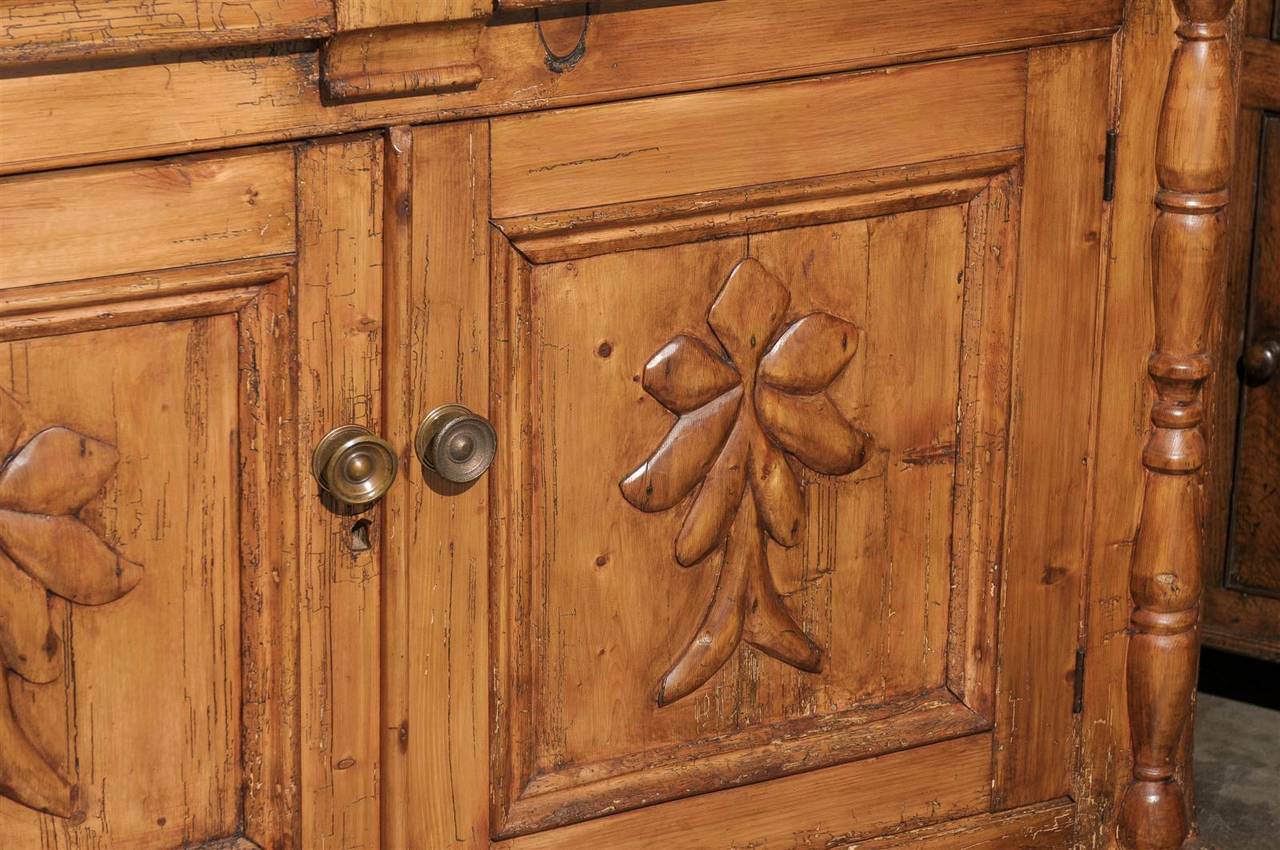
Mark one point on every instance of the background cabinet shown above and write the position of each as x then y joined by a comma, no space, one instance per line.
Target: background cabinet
1242,605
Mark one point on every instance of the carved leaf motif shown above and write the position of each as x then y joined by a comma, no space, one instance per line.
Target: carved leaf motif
25,775
64,555
56,473
749,493
684,456
810,354
685,375
707,524
777,493
46,547
747,312
28,644
721,629
811,428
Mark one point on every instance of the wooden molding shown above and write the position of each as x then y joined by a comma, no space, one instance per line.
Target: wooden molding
578,233
131,299
389,62
1193,164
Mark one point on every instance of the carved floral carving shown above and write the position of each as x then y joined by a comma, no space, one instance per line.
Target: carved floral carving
744,416
46,548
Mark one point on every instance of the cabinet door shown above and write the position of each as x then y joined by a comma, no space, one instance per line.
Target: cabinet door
174,336
784,541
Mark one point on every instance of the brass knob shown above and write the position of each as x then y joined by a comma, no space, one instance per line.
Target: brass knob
354,465
1262,359
456,444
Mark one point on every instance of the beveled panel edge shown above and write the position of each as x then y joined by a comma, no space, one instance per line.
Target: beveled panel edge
938,718
575,234
844,803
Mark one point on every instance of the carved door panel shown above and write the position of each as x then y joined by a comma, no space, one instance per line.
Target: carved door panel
174,335
784,541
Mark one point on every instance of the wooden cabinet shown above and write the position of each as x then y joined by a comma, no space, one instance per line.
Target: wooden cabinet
1242,609
819,388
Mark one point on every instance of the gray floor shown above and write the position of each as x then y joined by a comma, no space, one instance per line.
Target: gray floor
1237,771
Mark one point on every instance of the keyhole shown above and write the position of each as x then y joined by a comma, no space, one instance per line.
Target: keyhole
360,535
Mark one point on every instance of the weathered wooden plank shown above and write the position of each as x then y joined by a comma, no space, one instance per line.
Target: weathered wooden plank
148,109
339,320
129,218
52,30
715,140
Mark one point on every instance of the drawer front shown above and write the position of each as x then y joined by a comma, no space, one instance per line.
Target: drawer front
518,60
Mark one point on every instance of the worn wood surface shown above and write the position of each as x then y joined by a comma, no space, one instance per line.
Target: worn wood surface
130,218
147,109
1041,827
442,625
881,795
42,31
1193,166
184,493
745,572
1051,430
340,314
566,159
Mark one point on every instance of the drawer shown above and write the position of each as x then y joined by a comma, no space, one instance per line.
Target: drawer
518,60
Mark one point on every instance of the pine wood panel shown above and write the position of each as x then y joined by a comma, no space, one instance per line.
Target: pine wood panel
159,487
128,218
881,795
340,314
149,109
444,624
882,536
1052,442
45,30
568,159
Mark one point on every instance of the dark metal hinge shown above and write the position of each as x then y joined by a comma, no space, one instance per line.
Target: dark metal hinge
1077,702
1109,168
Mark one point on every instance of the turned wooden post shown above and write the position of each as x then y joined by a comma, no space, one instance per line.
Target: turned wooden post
1193,158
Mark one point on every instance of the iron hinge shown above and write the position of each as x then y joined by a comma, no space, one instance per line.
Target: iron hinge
1109,168
1077,701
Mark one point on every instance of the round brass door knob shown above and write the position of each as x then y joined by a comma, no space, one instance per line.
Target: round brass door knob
354,465
1262,359
456,444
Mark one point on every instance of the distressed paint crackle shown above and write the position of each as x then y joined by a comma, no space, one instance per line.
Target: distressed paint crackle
46,548
740,415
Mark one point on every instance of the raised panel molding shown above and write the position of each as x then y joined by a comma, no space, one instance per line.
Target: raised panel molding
69,773
743,413
741,473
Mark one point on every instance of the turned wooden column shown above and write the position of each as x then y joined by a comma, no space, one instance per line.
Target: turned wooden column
1188,244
